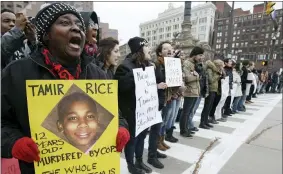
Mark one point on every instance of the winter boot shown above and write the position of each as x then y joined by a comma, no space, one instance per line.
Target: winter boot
160,145
133,170
163,143
153,160
140,165
160,155
169,136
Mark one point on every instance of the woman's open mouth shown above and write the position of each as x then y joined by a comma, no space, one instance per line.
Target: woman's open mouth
75,42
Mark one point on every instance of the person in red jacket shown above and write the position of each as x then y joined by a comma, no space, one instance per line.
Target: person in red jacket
61,33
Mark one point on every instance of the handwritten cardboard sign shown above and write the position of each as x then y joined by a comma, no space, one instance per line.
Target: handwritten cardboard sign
173,71
147,113
10,166
74,124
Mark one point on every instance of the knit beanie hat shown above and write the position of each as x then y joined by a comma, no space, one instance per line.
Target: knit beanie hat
196,51
136,43
49,14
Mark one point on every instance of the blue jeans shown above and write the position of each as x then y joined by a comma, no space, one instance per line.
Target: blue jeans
189,104
241,105
135,147
190,120
175,109
166,114
236,103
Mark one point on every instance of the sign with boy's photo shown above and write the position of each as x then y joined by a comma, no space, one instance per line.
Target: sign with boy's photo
74,123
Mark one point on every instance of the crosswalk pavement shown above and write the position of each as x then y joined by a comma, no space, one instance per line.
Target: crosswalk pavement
182,156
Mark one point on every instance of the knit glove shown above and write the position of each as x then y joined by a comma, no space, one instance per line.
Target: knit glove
26,150
122,138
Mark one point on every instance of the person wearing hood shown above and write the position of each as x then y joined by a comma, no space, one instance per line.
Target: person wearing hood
92,33
214,73
108,56
60,32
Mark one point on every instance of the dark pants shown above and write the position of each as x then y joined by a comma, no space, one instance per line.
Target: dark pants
214,105
135,147
208,103
153,139
249,97
189,103
226,107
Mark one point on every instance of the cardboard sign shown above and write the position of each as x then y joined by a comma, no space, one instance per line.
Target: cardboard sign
173,71
147,113
75,124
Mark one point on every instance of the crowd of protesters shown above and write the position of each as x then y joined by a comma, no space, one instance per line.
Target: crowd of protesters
61,43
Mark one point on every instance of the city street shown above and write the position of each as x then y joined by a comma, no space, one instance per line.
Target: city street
249,142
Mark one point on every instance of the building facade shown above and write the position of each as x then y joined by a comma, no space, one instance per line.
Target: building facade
252,36
169,22
105,31
29,8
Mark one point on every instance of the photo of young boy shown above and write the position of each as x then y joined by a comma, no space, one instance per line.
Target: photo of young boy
78,120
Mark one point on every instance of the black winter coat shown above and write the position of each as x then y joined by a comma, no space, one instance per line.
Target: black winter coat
14,114
244,79
229,72
203,82
126,91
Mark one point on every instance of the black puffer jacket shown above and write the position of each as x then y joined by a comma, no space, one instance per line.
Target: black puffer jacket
244,78
14,114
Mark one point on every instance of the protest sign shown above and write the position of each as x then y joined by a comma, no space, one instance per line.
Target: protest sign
173,71
10,166
147,113
74,123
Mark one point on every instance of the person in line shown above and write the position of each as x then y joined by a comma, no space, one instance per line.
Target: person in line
18,38
229,72
138,58
247,66
165,49
108,55
78,120
92,33
275,81
237,72
176,106
61,35
192,91
215,73
204,88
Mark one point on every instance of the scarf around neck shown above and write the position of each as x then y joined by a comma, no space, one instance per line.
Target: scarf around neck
57,69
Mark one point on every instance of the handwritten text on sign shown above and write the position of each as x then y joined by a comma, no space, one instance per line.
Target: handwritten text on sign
147,113
173,71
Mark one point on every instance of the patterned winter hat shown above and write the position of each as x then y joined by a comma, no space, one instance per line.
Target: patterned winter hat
49,14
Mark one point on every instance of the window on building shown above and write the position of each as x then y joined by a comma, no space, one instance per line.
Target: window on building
177,19
161,36
266,36
154,38
246,43
234,38
142,34
201,36
168,35
148,39
233,45
235,33
161,30
235,25
218,40
219,28
238,32
148,33
19,6
226,33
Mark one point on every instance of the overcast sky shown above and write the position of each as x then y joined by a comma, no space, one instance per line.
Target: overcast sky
126,16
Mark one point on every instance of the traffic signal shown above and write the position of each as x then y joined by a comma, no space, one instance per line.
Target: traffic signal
269,7
264,63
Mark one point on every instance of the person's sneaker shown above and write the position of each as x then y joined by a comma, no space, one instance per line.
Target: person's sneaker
133,170
155,163
161,155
